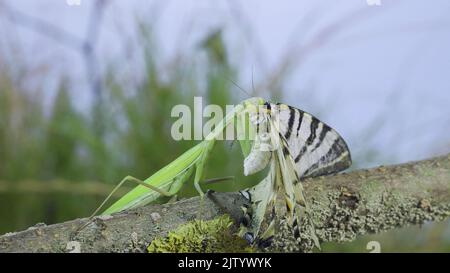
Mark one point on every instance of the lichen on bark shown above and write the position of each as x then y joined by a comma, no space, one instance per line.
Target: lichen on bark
373,201
217,235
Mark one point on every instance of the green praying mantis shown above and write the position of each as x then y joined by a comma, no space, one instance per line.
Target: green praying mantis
169,180
292,142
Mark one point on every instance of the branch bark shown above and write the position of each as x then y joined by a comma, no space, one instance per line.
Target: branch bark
343,205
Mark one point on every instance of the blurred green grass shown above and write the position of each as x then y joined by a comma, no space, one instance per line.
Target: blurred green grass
127,132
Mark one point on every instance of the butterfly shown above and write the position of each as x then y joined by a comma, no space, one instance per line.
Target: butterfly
294,145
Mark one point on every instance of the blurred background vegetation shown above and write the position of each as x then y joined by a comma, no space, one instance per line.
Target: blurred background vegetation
58,160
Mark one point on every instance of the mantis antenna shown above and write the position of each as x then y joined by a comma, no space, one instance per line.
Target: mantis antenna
240,88
253,86
245,92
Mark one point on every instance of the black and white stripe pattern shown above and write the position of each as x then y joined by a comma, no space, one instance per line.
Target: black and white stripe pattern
303,146
316,148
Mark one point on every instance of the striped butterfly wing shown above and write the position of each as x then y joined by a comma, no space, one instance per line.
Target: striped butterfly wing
317,149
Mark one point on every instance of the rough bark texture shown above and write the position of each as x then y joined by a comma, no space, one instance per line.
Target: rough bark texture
343,207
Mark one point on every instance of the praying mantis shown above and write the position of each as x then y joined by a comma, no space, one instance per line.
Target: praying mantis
294,143
170,179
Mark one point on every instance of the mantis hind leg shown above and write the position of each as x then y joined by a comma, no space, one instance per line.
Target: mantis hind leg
131,179
126,179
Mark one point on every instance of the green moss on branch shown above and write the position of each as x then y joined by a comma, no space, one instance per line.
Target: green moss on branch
217,235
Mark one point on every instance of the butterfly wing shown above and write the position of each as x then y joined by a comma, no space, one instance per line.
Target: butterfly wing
292,194
317,149
304,147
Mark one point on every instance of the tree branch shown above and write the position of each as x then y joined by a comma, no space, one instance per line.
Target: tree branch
343,205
